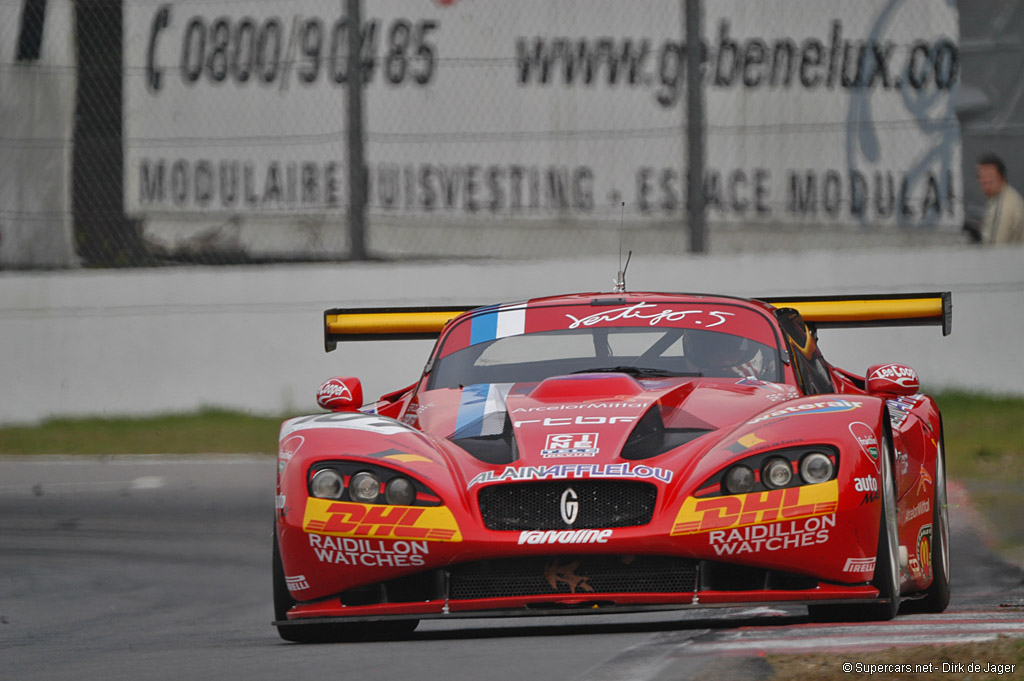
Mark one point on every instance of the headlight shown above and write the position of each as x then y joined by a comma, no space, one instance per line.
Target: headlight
815,468
777,473
327,484
400,491
738,480
364,488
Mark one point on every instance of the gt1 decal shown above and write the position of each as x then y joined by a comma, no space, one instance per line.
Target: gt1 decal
707,319
738,510
564,536
349,420
570,444
574,471
296,583
554,422
830,407
859,565
774,537
346,519
369,552
866,484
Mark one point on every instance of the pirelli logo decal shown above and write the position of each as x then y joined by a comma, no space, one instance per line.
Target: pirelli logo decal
739,510
375,521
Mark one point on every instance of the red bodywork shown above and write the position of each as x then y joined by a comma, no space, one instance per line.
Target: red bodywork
436,556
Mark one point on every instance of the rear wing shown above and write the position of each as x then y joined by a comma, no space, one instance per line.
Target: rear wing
820,312
892,309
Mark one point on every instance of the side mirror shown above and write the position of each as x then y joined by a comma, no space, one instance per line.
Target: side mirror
892,379
341,393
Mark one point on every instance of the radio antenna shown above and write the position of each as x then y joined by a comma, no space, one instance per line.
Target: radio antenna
620,280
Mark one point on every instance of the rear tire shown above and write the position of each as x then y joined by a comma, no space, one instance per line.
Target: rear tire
887,562
937,596
327,633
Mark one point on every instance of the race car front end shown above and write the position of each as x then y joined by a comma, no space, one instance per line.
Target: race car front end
379,521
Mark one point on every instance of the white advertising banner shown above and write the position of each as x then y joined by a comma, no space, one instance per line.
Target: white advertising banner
828,112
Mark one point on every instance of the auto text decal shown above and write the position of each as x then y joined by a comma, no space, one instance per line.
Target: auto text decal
739,510
574,471
376,521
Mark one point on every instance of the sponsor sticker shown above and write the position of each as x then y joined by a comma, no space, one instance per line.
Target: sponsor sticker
561,422
565,536
570,444
924,550
868,441
918,510
865,484
288,448
791,534
830,407
899,374
739,510
589,405
368,552
376,521
654,314
296,583
859,565
333,393
573,472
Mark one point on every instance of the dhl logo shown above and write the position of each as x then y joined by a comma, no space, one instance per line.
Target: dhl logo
346,519
738,510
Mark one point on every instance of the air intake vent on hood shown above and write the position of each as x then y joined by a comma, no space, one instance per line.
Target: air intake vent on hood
650,437
492,449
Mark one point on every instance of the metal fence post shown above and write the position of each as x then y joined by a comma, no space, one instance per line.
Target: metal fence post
356,157
693,18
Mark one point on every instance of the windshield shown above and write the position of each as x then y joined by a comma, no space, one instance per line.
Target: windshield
644,340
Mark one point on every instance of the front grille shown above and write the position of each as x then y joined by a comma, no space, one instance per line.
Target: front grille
572,575
538,505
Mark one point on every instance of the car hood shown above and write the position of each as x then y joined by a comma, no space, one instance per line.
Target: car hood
598,418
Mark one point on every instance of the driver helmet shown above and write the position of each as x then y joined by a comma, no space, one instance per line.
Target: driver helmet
718,353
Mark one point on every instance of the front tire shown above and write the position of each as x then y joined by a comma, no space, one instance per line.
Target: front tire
327,633
937,596
887,561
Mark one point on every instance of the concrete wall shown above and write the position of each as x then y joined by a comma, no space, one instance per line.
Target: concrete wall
148,341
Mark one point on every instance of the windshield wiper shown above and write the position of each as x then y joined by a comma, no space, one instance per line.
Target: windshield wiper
638,371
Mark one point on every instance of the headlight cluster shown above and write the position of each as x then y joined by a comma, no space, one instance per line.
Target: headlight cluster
367,485
775,470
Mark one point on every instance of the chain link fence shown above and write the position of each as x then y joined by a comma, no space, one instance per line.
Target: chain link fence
216,132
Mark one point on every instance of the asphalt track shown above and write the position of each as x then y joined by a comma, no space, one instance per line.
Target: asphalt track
143,569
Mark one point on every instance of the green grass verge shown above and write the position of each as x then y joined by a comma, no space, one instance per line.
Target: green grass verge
984,436
209,430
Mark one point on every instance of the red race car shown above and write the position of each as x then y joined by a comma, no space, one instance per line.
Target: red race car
612,452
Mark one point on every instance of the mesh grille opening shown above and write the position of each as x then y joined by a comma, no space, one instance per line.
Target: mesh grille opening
537,505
